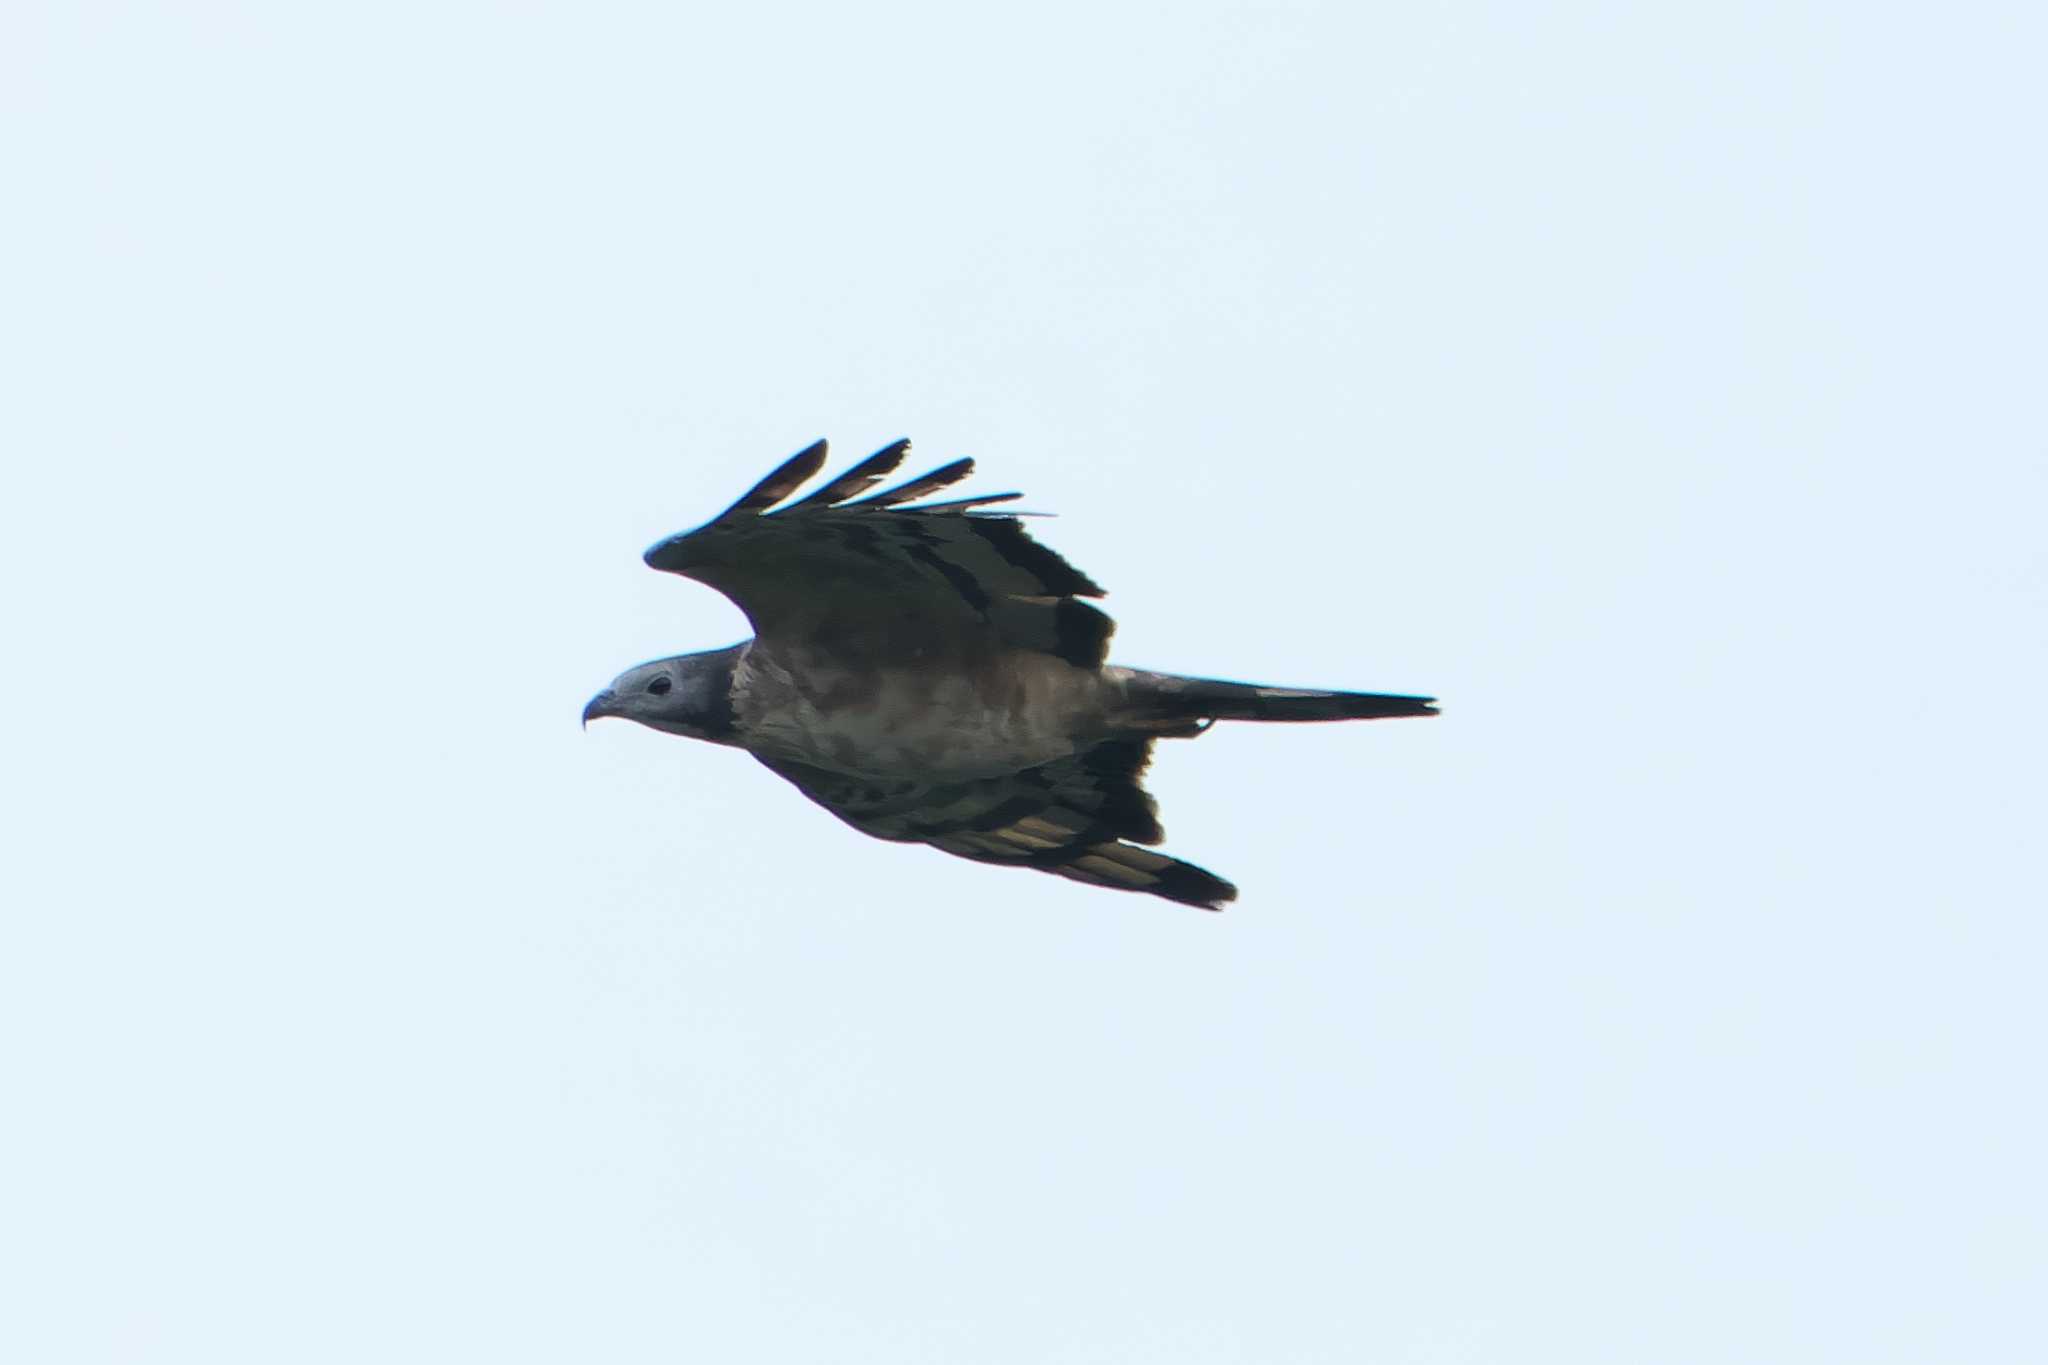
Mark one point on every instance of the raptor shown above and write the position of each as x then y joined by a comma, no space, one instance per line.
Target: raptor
929,673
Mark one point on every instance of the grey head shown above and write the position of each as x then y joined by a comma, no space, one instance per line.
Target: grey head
689,695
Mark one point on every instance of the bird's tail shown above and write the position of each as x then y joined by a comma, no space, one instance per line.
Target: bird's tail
1166,699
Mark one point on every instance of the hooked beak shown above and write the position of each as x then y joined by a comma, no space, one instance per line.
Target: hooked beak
600,705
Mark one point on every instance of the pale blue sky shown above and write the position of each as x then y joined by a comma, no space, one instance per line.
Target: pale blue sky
1660,386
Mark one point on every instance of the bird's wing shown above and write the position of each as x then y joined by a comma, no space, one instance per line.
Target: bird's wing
1082,817
885,576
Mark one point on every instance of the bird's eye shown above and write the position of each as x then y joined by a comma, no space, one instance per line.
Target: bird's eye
659,684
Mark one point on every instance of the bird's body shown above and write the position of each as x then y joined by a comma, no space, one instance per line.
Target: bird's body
930,673
934,712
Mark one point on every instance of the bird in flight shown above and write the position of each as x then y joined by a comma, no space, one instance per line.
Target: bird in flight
929,673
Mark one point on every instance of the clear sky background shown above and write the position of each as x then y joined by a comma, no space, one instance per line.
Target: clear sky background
1660,386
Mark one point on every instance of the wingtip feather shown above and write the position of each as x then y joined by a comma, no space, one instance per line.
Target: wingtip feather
858,479
945,476
786,478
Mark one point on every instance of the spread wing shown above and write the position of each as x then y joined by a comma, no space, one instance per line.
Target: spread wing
1077,818
881,575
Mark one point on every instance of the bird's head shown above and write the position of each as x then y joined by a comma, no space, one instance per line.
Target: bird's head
690,695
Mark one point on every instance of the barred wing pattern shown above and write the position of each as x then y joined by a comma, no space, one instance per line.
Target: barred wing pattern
835,565
1076,818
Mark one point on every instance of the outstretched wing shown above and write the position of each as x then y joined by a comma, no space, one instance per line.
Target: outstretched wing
874,572
1082,817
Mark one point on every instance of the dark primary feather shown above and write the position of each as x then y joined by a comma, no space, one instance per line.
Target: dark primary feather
858,479
783,480
1082,818
945,476
984,500
876,570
